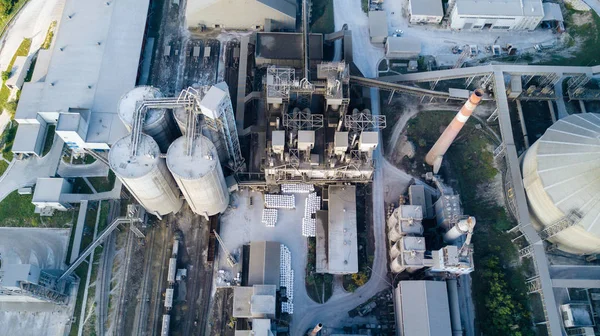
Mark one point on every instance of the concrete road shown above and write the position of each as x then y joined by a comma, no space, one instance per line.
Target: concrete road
32,22
595,4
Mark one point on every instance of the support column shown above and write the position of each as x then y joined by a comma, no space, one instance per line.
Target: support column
522,122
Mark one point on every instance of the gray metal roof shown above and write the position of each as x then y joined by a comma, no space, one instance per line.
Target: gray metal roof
342,242
287,7
552,12
378,24
264,263
403,44
424,308
11,275
49,189
500,7
287,46
426,7
27,139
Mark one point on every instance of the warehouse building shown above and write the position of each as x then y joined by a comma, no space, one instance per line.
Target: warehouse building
285,49
422,308
256,302
264,263
402,47
79,85
336,246
48,195
496,14
425,11
241,14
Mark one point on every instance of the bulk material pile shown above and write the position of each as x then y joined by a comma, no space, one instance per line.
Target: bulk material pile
280,201
269,217
297,188
309,224
286,279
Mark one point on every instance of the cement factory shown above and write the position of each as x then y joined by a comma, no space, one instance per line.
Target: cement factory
258,196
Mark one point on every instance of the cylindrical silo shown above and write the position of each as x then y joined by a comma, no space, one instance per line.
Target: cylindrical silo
396,249
158,123
461,228
145,175
396,265
199,175
181,117
561,175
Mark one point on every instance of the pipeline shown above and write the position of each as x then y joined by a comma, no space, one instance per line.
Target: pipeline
436,153
454,308
316,330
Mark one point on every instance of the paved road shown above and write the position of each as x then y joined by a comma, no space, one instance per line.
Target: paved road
595,4
32,22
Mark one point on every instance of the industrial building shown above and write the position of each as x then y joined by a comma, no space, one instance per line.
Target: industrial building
378,27
285,49
560,176
427,308
255,302
241,14
495,14
425,11
90,68
28,283
47,195
264,265
336,247
402,47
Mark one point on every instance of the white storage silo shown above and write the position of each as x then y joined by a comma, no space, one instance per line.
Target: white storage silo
561,175
199,176
181,116
158,123
145,175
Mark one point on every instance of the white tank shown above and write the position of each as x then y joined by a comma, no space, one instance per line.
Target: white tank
158,124
461,228
199,176
561,175
181,116
146,175
396,249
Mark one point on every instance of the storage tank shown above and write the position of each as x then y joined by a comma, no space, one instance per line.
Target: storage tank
199,176
158,124
145,175
181,116
561,175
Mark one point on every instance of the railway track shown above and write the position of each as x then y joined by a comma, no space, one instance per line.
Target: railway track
106,273
140,328
119,326
156,321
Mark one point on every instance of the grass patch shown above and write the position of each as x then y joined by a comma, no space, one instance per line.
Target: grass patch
322,17
365,5
18,211
81,272
49,140
499,290
104,208
49,36
585,28
103,183
3,167
11,106
7,139
80,187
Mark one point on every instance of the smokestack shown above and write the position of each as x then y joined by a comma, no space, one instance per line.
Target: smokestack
316,330
435,155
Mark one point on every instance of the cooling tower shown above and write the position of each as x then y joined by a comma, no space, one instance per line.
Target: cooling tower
561,175
199,175
145,175
158,124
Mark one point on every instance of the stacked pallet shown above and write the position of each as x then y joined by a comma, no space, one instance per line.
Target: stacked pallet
280,201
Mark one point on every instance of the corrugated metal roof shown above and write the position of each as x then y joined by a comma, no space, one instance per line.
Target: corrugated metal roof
426,7
404,44
425,308
500,7
342,241
264,263
552,12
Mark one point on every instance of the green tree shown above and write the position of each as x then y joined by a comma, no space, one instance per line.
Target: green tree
5,75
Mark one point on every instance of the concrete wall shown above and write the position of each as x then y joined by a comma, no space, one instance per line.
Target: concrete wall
240,14
470,22
425,19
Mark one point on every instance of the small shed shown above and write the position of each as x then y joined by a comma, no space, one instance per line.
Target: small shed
425,11
402,47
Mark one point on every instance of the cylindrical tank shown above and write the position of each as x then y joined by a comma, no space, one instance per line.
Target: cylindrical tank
396,265
561,175
394,233
199,176
181,116
461,228
145,175
158,124
455,321
396,249
316,329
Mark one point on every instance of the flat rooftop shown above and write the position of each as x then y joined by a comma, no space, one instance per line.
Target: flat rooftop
342,240
287,46
423,308
426,7
264,263
500,7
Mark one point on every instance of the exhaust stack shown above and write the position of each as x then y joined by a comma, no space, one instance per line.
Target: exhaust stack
436,153
316,330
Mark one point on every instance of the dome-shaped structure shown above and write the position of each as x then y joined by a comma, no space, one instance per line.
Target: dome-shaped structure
199,176
145,175
158,123
561,175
